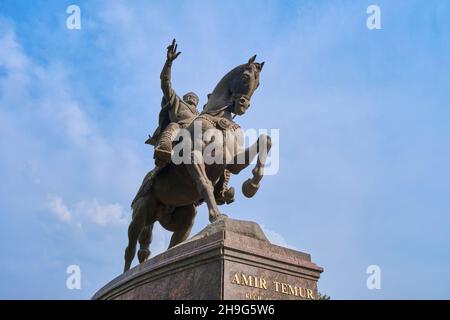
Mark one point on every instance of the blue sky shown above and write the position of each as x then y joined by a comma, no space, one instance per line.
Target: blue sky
364,138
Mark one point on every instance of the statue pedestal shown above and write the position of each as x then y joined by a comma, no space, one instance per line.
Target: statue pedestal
229,259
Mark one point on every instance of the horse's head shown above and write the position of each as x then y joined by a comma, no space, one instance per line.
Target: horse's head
236,88
244,85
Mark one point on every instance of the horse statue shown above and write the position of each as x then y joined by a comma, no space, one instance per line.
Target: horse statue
170,195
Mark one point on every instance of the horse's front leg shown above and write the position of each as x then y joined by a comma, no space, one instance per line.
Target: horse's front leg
241,161
205,187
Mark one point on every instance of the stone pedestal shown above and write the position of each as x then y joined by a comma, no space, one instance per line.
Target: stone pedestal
229,259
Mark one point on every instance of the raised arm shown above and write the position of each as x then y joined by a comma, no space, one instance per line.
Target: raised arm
166,84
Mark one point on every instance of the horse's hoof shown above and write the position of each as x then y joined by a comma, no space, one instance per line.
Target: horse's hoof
143,255
249,188
213,218
217,217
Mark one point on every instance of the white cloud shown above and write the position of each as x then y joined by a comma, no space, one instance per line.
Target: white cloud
87,211
47,115
59,209
102,215
16,66
276,238
8,44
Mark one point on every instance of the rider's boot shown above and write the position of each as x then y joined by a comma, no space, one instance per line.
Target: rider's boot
163,151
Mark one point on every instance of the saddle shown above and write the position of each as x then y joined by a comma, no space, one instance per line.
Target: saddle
219,122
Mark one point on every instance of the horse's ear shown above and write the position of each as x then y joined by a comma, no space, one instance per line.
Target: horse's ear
252,59
260,66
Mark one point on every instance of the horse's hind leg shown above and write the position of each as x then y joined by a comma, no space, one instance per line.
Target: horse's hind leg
182,222
145,238
134,229
140,210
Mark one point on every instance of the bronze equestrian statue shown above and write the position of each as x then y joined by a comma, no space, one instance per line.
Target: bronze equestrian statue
170,193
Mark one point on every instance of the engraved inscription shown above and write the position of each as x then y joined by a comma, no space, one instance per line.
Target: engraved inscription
264,284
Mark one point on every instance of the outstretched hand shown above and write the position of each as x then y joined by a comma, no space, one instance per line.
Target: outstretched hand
172,53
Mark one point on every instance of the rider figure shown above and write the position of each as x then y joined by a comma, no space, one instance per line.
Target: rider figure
176,114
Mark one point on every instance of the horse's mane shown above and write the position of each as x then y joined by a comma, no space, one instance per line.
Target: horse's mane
220,98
